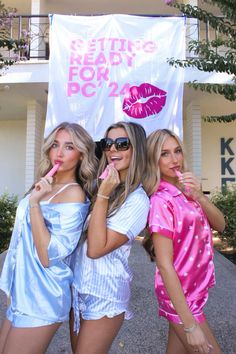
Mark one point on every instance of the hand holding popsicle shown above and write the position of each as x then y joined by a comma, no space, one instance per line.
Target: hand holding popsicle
53,170
192,185
180,175
51,173
105,172
111,180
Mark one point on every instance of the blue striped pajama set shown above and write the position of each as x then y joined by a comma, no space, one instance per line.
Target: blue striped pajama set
101,286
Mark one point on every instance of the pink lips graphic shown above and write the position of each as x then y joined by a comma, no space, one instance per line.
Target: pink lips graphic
144,100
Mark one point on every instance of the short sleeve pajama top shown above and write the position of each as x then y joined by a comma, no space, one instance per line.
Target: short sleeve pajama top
174,215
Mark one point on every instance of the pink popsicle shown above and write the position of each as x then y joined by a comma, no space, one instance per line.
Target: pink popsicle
53,170
178,173
105,172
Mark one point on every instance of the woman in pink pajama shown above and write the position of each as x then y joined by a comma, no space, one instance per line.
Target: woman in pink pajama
180,221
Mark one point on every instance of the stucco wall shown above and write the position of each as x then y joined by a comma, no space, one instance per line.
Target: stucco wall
12,156
89,6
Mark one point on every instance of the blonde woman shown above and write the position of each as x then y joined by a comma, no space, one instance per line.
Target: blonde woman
47,229
179,222
119,212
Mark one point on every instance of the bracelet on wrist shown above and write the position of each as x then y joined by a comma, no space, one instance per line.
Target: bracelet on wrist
102,196
33,205
190,329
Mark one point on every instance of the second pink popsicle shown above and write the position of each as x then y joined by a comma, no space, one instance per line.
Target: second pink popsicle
105,172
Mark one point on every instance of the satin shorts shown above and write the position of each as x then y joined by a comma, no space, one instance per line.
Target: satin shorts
22,320
167,310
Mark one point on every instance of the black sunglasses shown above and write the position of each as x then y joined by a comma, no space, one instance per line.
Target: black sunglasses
121,144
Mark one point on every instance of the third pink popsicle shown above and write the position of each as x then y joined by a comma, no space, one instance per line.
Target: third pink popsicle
178,173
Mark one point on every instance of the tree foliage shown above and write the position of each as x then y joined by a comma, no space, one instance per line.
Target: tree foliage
8,205
226,202
10,48
208,53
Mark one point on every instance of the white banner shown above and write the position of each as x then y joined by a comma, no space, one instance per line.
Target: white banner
104,69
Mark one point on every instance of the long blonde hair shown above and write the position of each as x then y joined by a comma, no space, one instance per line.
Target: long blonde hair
87,168
137,137
155,143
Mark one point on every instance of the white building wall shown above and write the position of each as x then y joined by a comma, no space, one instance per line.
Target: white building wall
12,156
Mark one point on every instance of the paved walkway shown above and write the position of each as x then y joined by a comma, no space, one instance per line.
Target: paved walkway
146,333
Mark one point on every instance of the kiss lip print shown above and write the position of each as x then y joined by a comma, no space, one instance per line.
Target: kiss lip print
144,100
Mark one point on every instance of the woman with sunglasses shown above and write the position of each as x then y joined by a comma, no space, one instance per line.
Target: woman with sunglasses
102,277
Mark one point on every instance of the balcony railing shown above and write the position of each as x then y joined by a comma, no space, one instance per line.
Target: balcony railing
37,27
37,39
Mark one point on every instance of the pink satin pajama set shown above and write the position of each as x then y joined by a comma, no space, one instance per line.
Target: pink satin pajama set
176,216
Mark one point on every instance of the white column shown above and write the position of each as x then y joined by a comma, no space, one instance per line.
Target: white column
35,7
192,30
39,29
193,138
38,7
34,139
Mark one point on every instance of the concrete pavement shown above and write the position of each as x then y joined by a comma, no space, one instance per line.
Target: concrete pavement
146,332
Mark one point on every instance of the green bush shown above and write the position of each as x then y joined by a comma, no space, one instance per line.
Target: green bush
8,205
226,202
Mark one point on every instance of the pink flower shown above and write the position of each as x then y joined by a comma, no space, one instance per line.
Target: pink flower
168,1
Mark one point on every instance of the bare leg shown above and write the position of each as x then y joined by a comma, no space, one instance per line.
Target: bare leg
174,344
211,338
33,340
208,333
73,335
96,336
6,325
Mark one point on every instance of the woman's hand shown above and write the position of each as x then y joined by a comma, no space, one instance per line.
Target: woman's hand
198,341
41,188
110,182
101,240
192,186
